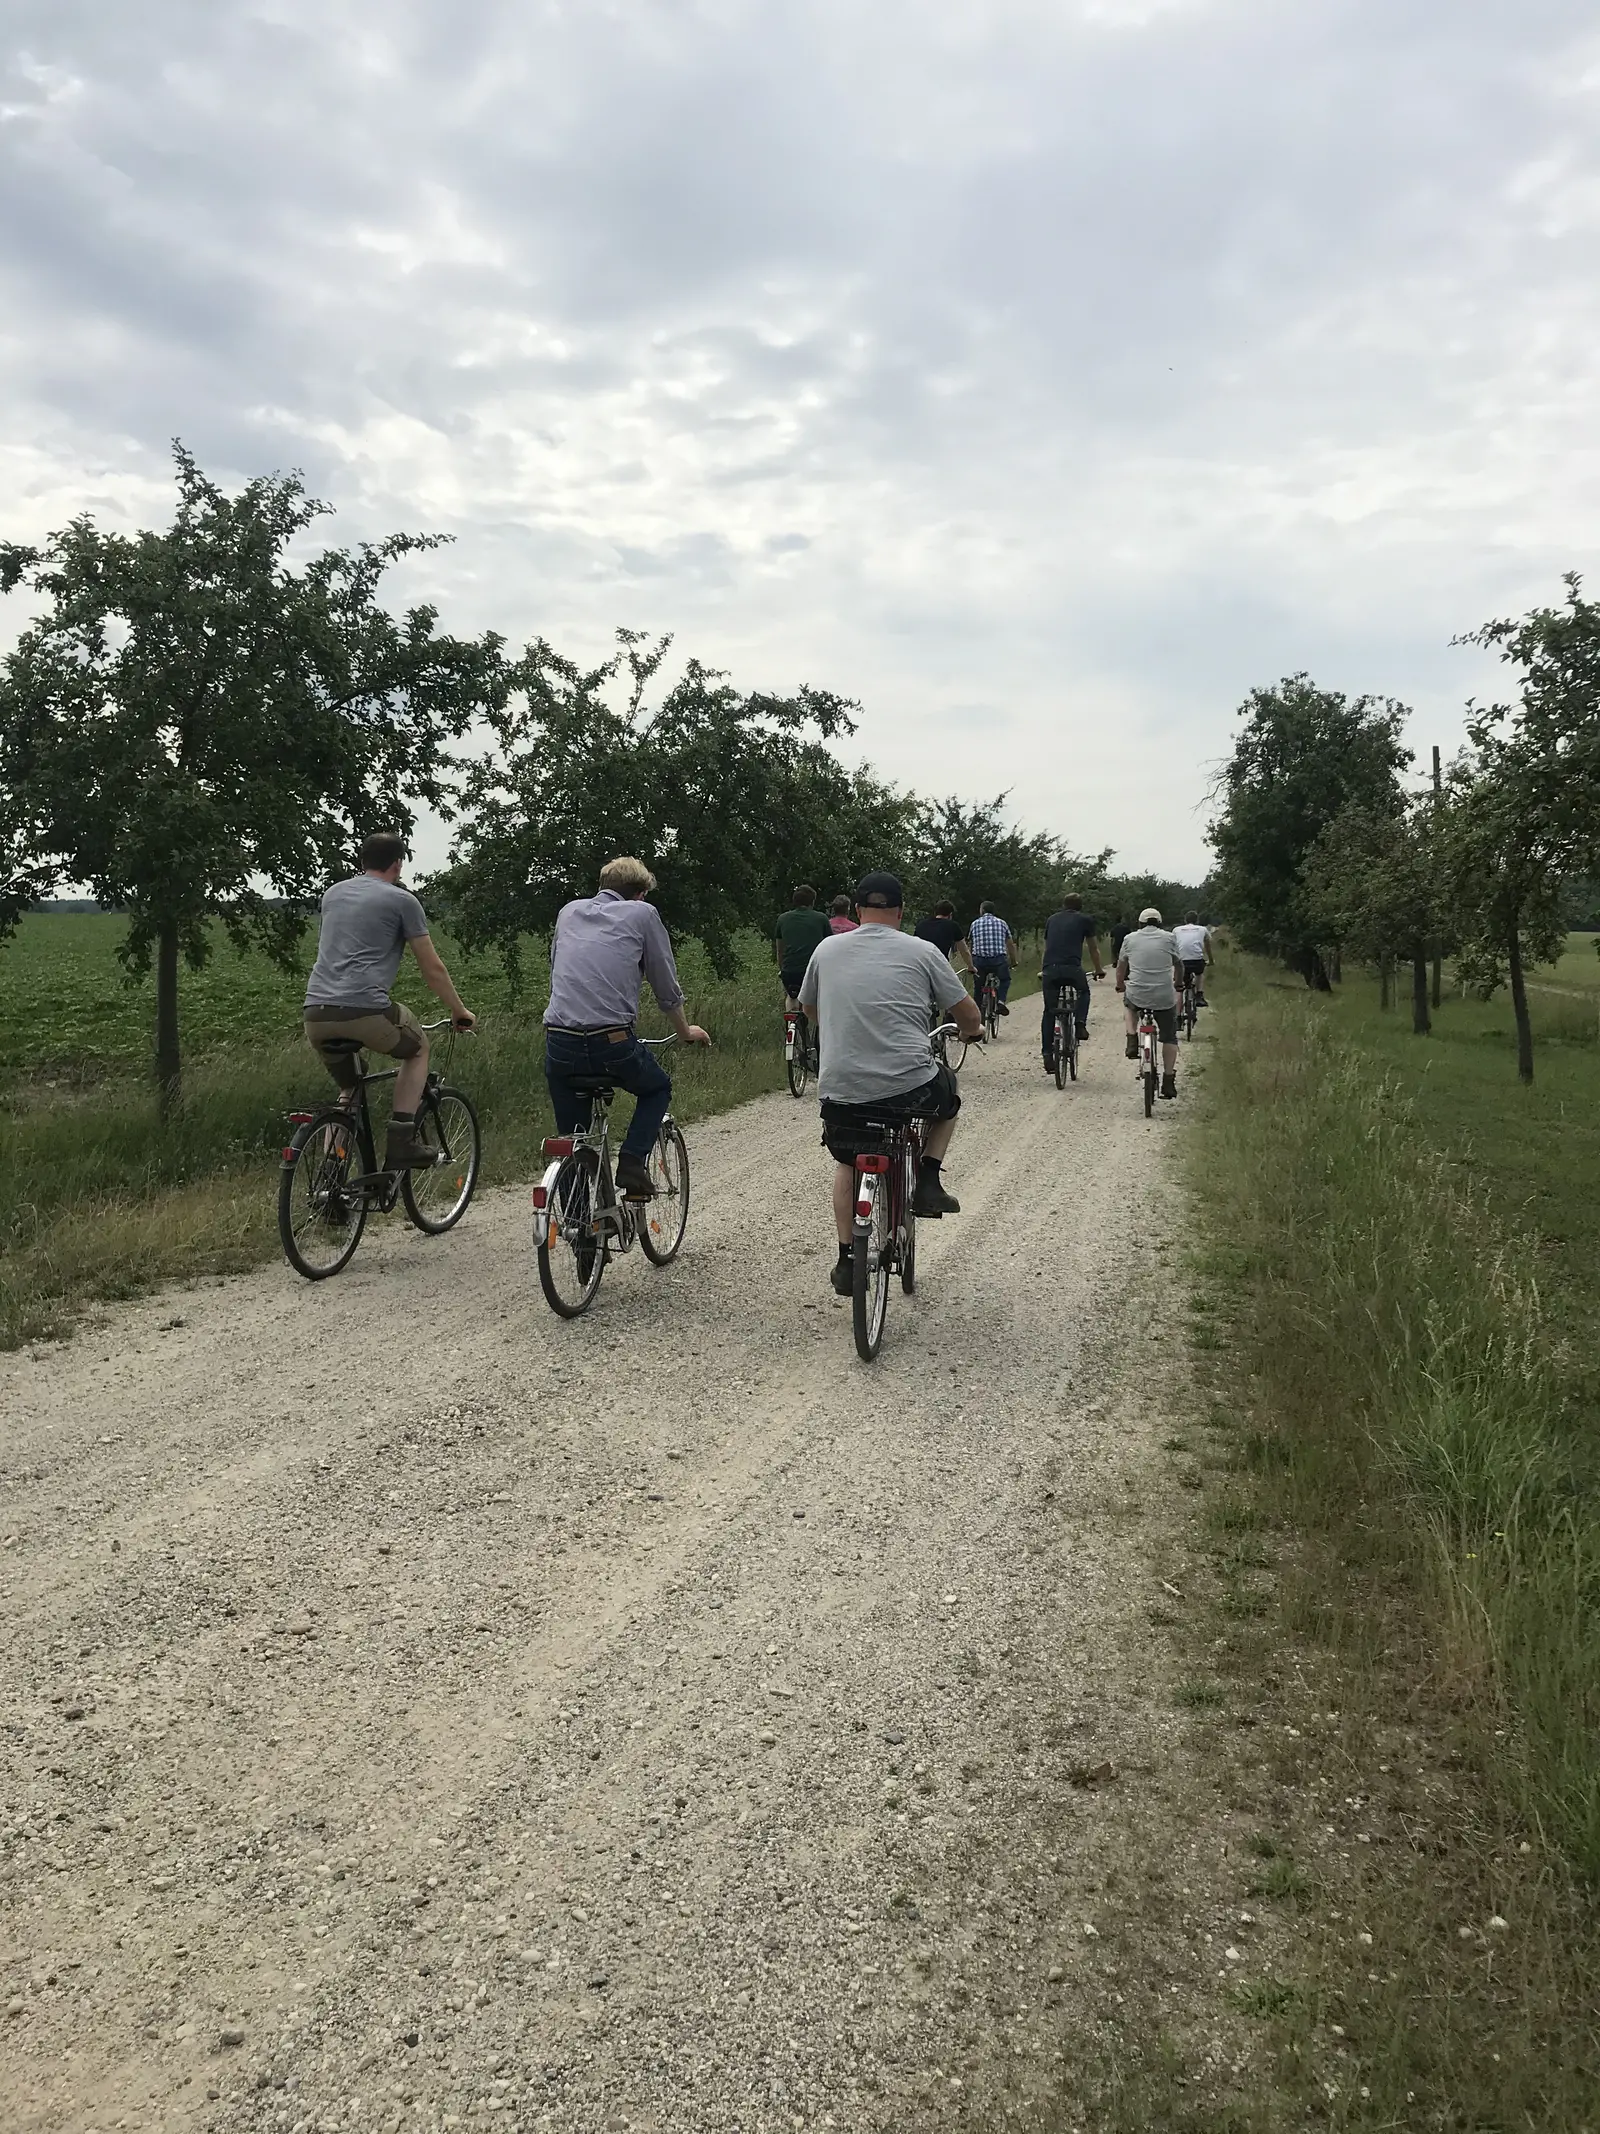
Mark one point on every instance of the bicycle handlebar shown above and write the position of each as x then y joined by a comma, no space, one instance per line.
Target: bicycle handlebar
670,1039
445,1022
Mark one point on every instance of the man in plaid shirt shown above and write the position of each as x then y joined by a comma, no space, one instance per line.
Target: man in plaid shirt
992,946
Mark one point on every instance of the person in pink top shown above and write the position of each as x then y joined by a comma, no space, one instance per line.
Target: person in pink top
839,919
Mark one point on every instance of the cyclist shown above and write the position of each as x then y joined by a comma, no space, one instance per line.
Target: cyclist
1148,976
839,919
796,934
943,929
991,946
1194,952
367,923
874,995
604,947
1065,933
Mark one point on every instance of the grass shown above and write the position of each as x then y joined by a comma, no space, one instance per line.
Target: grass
99,1200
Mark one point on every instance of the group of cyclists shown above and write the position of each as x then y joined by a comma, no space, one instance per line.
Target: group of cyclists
871,990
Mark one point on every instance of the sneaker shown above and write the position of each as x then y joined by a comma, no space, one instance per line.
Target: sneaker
1169,1085
843,1278
633,1178
931,1199
1133,1048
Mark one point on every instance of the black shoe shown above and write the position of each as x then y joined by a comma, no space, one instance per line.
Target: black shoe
633,1178
1083,1035
843,1278
1004,1010
931,1199
1049,1066
1169,1085
1133,1048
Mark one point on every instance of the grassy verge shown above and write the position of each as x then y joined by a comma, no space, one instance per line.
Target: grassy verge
1398,1659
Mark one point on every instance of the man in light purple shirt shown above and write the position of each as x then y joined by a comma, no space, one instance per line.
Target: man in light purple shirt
605,946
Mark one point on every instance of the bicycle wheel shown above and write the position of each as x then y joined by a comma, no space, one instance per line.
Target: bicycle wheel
573,1256
869,1294
664,1219
1148,1069
1072,1048
1061,1052
908,1222
320,1220
437,1199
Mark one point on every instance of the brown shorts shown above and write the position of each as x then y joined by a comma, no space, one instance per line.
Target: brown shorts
393,1030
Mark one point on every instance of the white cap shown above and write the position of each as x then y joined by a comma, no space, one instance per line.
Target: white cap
1149,916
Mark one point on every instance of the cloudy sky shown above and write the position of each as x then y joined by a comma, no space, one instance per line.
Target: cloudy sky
1045,373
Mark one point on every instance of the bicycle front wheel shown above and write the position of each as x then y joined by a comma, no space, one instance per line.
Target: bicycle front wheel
869,1267
908,1221
436,1199
665,1218
1072,1048
573,1256
320,1217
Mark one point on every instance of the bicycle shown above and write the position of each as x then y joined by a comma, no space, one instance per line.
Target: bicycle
1066,1030
578,1220
799,1049
1189,1006
989,1004
1149,1056
883,1239
323,1205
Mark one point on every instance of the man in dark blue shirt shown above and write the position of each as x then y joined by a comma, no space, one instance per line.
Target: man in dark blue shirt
1065,933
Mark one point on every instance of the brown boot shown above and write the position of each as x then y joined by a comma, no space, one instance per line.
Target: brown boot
401,1151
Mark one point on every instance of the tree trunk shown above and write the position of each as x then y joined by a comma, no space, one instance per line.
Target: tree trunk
1438,975
1385,980
168,1065
1421,1020
1519,1006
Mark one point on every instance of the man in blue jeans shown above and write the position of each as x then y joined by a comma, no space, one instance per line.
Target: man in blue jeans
991,946
605,946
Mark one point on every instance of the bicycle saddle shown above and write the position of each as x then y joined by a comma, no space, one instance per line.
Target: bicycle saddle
342,1045
592,1085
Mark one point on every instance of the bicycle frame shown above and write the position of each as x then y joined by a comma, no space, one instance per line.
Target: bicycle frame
378,1187
613,1218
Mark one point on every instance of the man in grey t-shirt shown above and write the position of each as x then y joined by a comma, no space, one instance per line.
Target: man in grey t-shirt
367,923
1148,975
874,994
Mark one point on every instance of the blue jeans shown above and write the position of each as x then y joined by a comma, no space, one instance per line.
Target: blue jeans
623,1061
1075,979
982,966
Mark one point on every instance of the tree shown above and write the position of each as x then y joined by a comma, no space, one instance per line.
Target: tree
1304,754
199,730
1372,885
1528,799
729,798
968,854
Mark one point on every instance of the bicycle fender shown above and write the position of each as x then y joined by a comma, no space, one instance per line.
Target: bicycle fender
541,1203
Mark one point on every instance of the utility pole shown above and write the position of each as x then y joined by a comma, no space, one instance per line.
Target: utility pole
1438,959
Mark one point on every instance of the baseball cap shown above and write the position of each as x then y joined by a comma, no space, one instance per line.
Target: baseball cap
1149,916
882,891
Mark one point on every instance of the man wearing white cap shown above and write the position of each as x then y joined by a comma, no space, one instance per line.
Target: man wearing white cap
1149,973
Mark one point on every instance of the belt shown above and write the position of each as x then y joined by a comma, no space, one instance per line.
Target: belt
566,1030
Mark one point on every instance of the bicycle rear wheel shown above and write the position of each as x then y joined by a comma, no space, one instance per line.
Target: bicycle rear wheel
320,1219
662,1221
799,1073
437,1199
1072,1048
1061,1052
573,1256
869,1267
1148,1068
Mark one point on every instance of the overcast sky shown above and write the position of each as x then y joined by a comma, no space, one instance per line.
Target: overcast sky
1044,373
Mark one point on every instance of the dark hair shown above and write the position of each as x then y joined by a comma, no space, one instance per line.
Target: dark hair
985,905
380,851
840,907
1072,901
804,894
946,910
1191,918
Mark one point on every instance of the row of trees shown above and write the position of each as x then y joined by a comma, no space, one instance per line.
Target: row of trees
1324,851
200,727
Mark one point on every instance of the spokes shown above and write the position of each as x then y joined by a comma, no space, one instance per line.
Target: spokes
572,1257
320,1215
664,1217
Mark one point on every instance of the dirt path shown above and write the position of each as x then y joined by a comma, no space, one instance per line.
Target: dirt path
413,1709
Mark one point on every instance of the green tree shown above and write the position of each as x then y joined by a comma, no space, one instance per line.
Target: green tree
199,730
969,853
1302,755
1372,885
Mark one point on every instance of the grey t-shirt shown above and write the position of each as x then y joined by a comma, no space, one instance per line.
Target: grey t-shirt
875,994
1149,951
366,924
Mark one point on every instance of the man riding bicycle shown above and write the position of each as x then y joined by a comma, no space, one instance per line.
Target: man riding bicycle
1148,976
367,923
943,929
797,933
992,948
605,946
1065,934
874,994
1194,952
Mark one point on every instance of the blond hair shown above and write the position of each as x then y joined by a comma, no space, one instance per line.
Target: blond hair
629,878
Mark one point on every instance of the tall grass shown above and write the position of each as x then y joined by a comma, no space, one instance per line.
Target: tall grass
1417,1399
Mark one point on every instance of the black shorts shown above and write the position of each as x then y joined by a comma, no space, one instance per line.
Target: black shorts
1196,970
1166,1021
791,981
852,1130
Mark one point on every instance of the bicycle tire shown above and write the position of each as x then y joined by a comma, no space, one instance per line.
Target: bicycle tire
448,1115
577,1246
799,1074
908,1227
1061,1053
324,1192
869,1286
1072,1048
1149,1079
662,1221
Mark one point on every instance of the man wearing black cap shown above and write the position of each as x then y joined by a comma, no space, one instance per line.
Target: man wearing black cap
873,996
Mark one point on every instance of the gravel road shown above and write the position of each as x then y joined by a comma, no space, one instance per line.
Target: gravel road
416,1710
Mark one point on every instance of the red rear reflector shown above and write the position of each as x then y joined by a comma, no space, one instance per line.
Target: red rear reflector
539,1197
297,1118
288,1155
562,1146
876,1164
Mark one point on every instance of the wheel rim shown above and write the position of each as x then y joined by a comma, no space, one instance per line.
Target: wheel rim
325,1218
666,1216
572,1258
439,1195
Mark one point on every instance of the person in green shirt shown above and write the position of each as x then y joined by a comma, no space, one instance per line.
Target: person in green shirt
796,934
